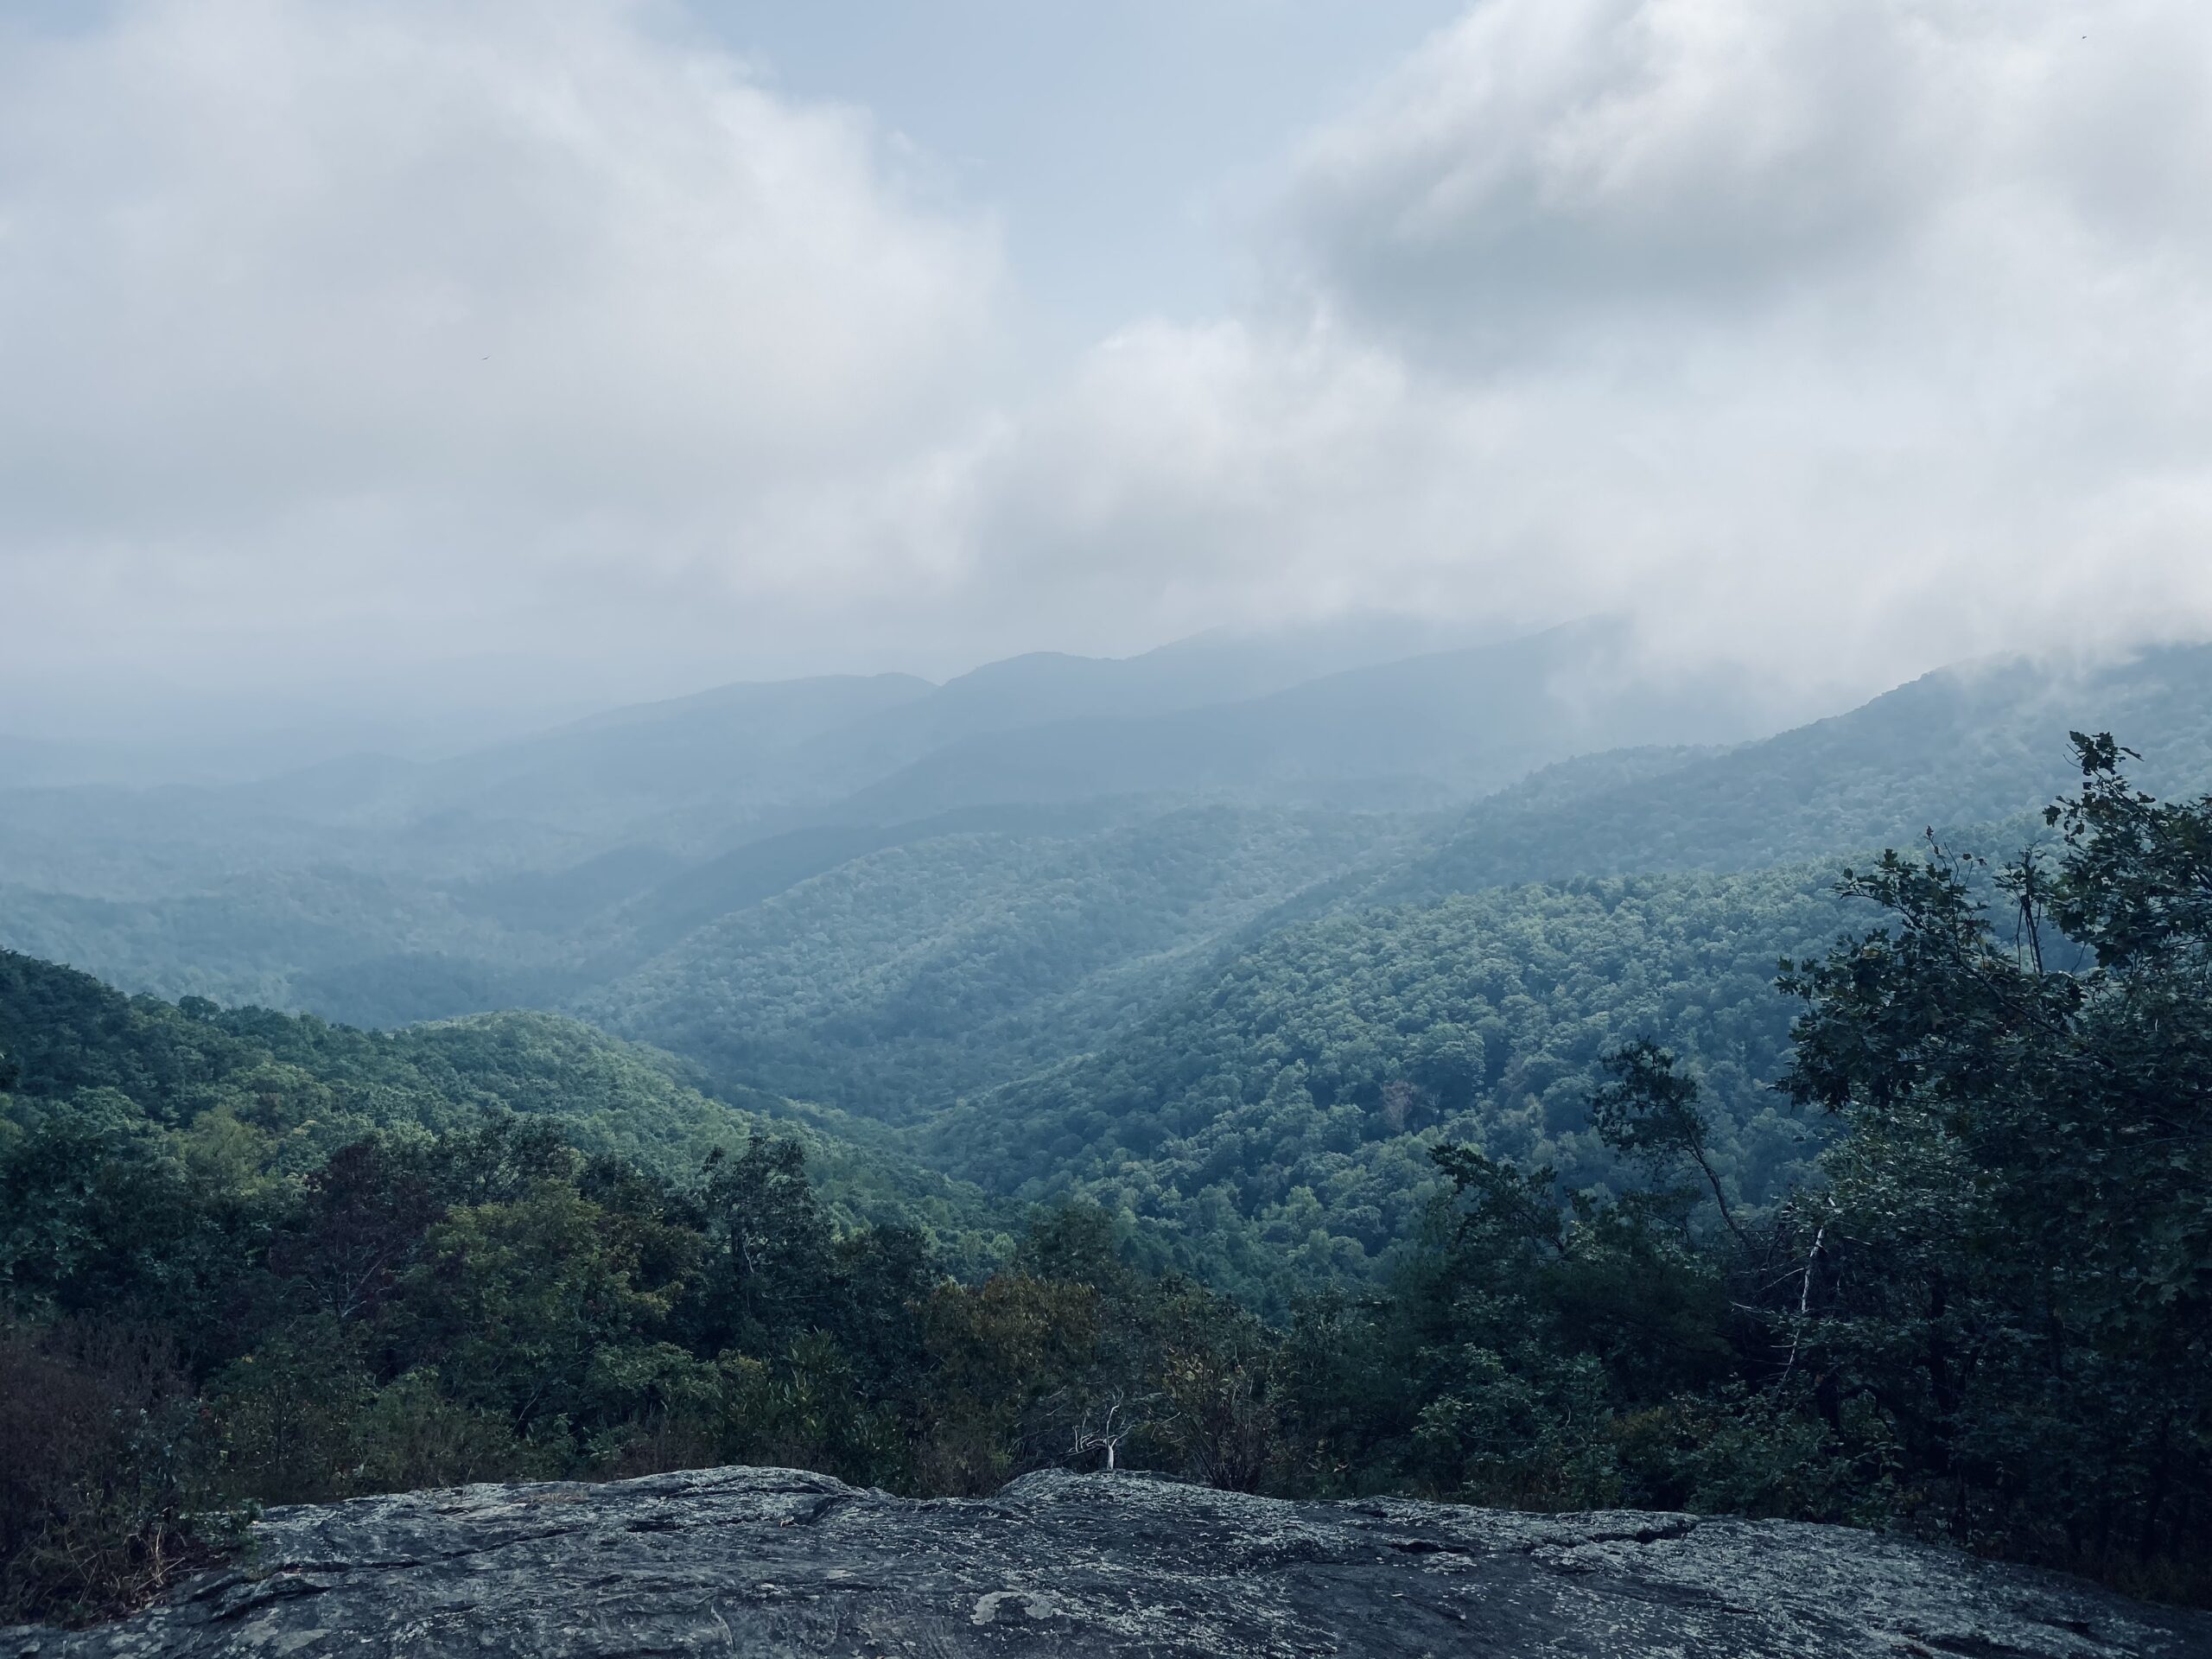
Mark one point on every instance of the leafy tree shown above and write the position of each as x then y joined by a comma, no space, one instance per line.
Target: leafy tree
769,1261
529,1306
2013,1259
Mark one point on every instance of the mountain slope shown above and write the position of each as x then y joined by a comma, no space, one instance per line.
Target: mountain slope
1960,747
914,974
75,1045
1045,687
1420,732
1287,1095
540,836
1287,1100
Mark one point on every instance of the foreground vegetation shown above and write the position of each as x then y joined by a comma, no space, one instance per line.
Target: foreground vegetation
1982,1315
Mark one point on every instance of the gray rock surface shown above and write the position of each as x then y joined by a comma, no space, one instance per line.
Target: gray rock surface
769,1562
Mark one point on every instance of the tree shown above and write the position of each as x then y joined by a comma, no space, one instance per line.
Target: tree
520,1306
769,1266
2017,1250
365,1214
1649,1112
1105,1425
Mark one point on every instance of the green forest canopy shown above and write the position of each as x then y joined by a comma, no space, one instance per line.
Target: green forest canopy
249,1257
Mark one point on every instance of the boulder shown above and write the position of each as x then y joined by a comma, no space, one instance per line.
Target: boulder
771,1561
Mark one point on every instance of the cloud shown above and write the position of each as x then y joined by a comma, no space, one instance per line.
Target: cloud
1839,338
1685,159
422,322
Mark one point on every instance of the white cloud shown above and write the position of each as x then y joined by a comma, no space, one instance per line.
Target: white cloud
358,315
1840,337
1542,162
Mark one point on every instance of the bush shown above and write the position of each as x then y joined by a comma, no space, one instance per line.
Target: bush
103,1466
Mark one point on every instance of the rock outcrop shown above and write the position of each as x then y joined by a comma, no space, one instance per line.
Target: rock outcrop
765,1561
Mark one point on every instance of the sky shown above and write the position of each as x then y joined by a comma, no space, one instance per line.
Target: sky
411,361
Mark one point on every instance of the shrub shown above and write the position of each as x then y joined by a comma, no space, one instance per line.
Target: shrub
104,1470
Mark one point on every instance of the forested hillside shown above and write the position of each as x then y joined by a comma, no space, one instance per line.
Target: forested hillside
246,1256
280,937
1959,747
907,977
1289,1100
246,1086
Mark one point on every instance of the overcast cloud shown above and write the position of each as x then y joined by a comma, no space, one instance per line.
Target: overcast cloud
355,348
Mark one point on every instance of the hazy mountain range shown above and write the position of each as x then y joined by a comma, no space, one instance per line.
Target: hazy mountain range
1064,923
